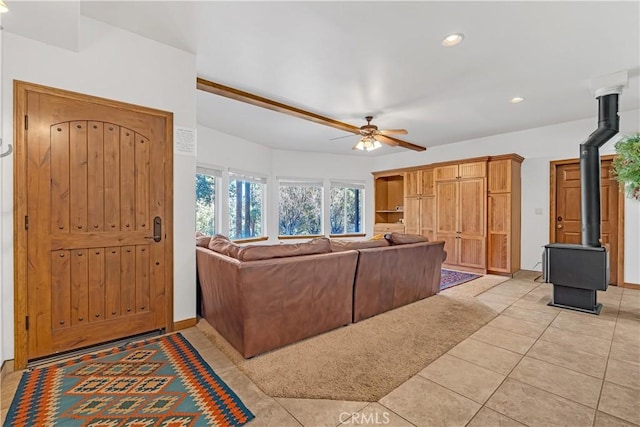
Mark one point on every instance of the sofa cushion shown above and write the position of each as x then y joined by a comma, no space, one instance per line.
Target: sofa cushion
403,239
319,245
222,245
202,240
338,245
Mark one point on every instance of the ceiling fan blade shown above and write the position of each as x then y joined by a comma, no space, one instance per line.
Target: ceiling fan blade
386,140
340,137
393,131
389,140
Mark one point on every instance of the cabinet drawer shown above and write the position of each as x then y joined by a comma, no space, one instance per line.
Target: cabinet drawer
388,228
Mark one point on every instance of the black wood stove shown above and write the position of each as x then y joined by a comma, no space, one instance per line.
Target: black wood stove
577,272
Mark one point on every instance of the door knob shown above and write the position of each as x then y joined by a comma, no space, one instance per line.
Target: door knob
157,230
559,225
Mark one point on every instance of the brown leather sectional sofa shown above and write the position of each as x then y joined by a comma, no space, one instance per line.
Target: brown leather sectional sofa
260,303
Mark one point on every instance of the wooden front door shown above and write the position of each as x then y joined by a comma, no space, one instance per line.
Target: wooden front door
568,214
97,201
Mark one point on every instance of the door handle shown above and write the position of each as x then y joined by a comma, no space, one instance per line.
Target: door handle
157,230
559,225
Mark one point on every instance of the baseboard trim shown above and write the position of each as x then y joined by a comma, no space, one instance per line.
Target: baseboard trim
631,285
7,368
184,324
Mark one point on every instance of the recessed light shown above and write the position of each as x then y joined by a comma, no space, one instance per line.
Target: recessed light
516,100
452,40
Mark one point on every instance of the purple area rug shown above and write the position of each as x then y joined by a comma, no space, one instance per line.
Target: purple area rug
450,278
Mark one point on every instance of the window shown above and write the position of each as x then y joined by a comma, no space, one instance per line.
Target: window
347,208
299,207
246,205
206,181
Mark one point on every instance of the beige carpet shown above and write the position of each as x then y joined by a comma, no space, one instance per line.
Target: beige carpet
366,360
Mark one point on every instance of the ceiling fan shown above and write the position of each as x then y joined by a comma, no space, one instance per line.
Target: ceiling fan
369,132
372,136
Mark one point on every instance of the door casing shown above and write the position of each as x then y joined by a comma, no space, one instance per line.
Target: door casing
20,91
553,205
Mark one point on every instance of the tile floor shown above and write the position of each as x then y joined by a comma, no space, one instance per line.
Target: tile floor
533,365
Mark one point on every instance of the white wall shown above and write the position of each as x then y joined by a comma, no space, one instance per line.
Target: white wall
219,149
538,146
119,65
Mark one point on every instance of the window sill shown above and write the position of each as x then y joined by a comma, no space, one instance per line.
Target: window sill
348,235
306,236
253,239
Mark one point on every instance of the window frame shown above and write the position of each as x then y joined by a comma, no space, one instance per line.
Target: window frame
359,185
301,182
254,178
216,173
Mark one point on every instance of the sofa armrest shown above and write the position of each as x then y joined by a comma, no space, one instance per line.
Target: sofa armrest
221,297
395,276
289,299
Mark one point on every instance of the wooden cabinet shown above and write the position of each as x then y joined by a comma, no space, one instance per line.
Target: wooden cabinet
473,205
460,171
504,213
461,215
418,183
419,202
389,201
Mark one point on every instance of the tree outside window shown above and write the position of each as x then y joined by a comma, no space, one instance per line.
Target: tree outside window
206,181
347,208
246,203
299,208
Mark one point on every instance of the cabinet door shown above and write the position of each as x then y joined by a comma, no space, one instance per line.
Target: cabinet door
411,183
412,215
471,251
499,176
426,181
472,207
427,216
499,227
472,170
472,228
445,173
451,246
447,207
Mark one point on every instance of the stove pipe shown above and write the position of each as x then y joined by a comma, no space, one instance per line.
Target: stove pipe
608,123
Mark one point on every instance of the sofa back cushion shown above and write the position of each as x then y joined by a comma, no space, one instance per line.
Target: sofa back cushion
202,240
222,245
338,245
319,245
404,239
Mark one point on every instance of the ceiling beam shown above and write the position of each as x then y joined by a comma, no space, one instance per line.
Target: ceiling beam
259,101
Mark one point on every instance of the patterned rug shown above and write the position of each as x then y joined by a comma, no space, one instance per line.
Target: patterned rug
450,278
159,382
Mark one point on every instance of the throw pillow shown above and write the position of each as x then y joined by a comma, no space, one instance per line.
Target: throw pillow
403,239
222,245
377,237
202,240
319,245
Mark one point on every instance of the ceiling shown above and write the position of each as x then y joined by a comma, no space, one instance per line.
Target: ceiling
346,60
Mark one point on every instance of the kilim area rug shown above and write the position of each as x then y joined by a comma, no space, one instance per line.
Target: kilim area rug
158,382
450,278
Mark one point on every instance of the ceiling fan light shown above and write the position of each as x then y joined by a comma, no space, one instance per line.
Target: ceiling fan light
452,40
3,7
359,145
376,144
